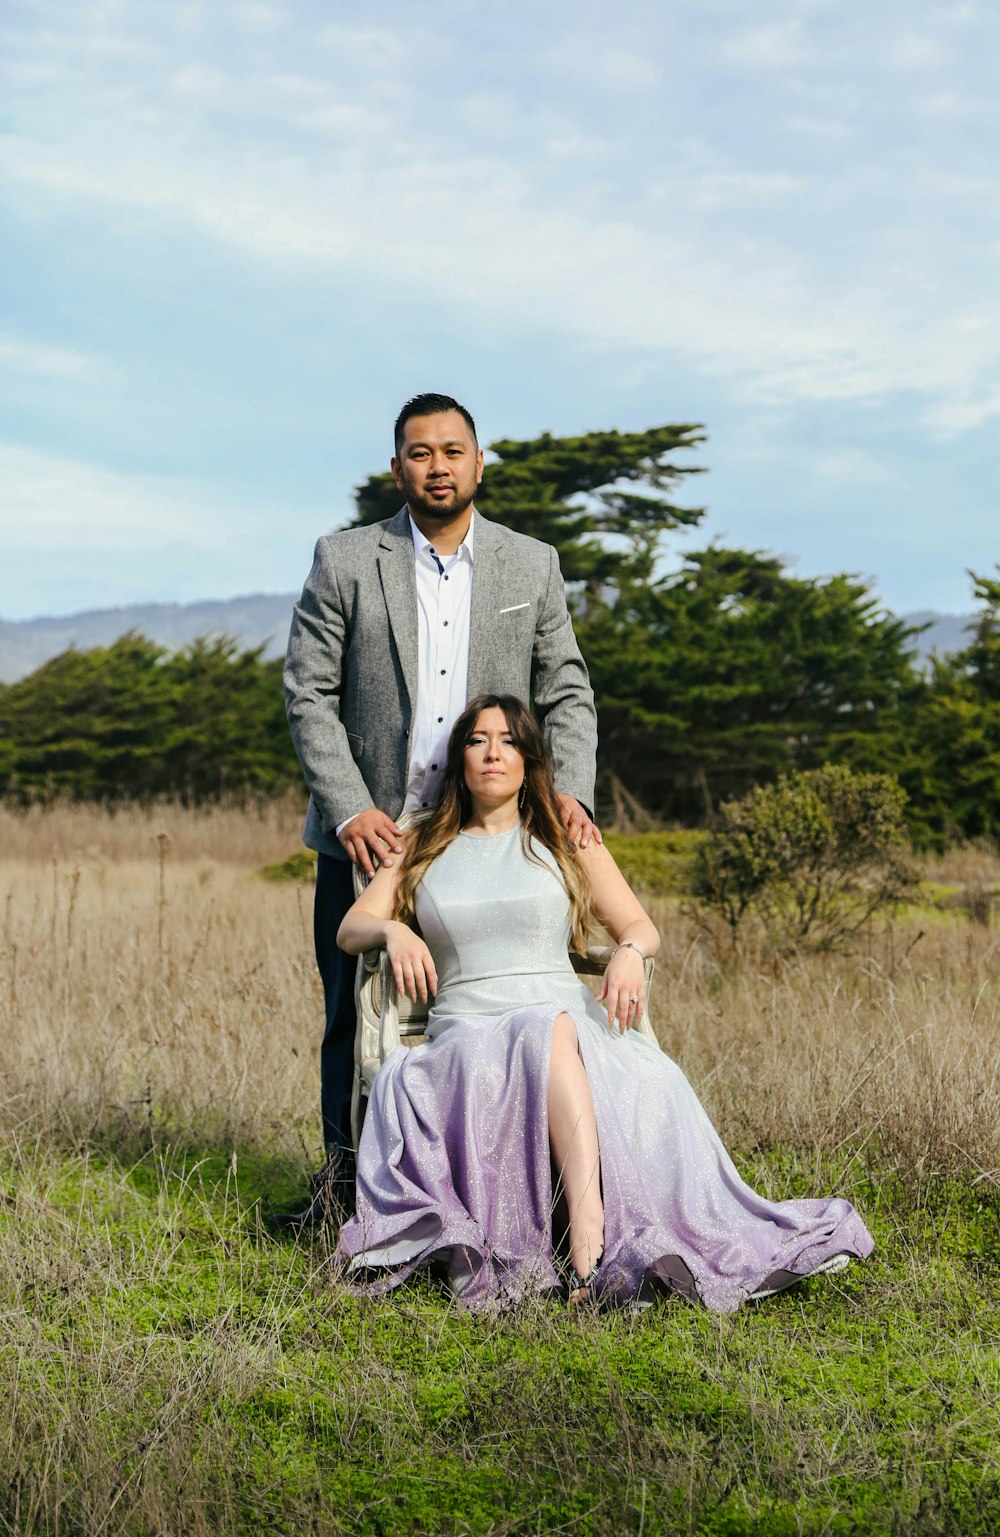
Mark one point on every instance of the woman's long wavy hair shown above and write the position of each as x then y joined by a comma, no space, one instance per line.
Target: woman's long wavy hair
539,813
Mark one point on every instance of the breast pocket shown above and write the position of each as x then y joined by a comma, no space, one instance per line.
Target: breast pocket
515,614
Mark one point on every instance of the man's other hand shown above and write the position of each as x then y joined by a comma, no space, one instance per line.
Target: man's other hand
371,832
579,828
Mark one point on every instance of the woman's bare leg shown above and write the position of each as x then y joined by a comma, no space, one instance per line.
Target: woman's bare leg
573,1138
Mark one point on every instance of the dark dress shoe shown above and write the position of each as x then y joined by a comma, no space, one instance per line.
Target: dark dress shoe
331,1198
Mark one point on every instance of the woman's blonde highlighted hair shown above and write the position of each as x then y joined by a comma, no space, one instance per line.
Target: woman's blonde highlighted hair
539,813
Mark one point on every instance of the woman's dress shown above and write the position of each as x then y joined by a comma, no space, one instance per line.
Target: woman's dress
454,1167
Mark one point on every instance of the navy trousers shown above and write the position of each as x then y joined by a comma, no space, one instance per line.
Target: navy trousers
334,895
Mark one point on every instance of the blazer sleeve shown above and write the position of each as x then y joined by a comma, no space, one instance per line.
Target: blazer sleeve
313,679
564,699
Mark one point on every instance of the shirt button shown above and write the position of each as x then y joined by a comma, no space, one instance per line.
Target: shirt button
443,671
424,803
446,624
446,578
433,765
440,719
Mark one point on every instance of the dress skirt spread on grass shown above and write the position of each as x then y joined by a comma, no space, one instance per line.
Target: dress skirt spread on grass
454,1168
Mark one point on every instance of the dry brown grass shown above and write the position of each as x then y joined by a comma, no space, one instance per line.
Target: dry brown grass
161,1371
248,833
966,864
137,995
145,983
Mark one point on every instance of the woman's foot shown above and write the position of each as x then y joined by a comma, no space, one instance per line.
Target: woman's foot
582,1287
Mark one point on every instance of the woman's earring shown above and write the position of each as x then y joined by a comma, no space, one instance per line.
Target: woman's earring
520,796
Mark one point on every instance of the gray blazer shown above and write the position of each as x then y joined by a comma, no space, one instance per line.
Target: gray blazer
351,668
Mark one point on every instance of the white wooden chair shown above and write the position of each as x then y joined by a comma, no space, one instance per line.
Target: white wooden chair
386,1020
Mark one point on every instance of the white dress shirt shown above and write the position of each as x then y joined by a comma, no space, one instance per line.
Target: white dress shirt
444,611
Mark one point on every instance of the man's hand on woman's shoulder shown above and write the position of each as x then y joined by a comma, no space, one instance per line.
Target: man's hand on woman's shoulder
580,828
371,832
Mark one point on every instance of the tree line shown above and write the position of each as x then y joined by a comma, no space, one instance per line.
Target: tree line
718,673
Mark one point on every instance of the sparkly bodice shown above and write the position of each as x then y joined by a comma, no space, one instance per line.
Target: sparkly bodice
497,924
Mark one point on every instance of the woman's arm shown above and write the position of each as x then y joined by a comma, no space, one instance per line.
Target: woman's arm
626,920
369,925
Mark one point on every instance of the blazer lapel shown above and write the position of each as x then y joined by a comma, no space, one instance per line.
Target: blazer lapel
399,588
487,597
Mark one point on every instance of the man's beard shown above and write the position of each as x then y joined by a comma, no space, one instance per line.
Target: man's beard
429,508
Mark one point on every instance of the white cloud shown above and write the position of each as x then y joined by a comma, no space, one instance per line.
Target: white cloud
199,80
618,66
780,45
499,212
950,418
833,130
723,189
261,18
748,310
913,51
854,467
33,357
571,146
370,48
46,500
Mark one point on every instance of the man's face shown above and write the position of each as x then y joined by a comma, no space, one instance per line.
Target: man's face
439,465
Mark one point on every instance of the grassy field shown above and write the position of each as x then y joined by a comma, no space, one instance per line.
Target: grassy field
164,1368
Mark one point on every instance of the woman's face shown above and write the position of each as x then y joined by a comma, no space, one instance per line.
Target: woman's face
494,768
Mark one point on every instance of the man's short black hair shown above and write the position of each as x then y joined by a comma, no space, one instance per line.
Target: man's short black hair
430,405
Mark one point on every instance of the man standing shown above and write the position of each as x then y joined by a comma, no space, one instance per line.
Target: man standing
398,626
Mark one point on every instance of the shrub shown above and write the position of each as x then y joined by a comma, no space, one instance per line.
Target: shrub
812,857
300,866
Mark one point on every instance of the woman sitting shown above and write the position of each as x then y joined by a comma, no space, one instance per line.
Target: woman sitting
526,1079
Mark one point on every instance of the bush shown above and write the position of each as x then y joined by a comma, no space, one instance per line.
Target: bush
812,857
300,867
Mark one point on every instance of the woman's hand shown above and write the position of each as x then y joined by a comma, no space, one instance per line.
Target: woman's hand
624,988
411,961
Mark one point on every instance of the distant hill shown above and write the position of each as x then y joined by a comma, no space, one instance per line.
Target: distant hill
945,632
260,619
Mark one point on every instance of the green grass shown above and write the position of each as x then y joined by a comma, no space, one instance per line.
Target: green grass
658,862
300,866
165,1368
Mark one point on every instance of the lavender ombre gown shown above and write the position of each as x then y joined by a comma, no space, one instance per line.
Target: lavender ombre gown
454,1167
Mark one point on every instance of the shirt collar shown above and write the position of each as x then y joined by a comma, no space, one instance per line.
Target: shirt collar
464,551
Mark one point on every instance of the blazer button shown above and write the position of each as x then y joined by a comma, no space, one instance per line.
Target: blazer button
406,730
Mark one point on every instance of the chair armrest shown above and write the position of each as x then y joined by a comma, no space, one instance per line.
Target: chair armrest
593,963
389,1009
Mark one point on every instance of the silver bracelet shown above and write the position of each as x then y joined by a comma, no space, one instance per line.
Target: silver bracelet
629,944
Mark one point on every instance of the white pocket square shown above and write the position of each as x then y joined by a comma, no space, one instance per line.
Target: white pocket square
514,608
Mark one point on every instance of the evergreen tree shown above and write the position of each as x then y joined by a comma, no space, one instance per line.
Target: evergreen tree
730,671
714,677
958,783
579,495
131,721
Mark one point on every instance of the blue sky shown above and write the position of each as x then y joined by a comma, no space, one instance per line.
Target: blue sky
234,238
